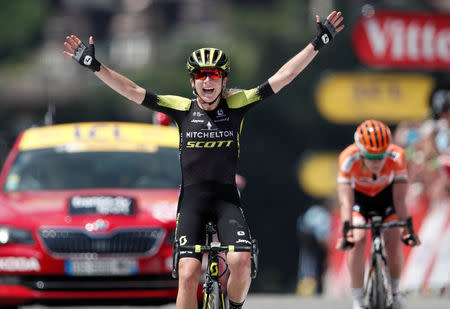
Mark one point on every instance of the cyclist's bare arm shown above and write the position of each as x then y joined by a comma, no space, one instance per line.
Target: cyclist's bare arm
346,200
399,190
117,82
399,194
294,66
121,84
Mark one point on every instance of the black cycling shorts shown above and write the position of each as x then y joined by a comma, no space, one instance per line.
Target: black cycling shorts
218,203
381,204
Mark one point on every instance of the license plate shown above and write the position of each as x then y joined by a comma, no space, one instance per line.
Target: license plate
103,205
101,267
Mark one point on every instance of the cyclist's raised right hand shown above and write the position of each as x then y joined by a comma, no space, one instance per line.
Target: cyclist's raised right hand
327,31
84,55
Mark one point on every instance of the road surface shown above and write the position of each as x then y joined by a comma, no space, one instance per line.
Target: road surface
282,301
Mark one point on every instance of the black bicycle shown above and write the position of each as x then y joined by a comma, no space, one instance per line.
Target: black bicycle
377,288
213,296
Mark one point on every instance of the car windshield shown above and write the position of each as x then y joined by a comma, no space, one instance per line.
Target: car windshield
51,169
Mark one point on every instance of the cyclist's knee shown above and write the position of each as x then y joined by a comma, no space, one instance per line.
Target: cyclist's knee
394,248
239,262
392,239
189,273
392,236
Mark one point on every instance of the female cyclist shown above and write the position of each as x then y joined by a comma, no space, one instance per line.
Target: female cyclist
210,127
373,178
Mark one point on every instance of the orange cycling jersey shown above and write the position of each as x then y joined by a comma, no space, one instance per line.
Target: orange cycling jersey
353,171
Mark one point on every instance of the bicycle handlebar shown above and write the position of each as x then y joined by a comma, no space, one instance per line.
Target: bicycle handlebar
410,240
217,249
407,223
204,248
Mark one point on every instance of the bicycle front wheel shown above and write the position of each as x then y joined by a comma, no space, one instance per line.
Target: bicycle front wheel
375,292
213,299
380,297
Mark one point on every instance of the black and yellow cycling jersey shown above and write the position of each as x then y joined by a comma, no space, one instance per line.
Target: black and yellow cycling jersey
209,140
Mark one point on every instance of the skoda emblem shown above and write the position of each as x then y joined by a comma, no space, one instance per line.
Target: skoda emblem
97,226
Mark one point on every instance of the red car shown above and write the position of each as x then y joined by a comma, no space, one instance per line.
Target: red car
87,215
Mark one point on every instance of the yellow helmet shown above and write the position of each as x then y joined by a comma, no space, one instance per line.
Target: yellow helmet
208,57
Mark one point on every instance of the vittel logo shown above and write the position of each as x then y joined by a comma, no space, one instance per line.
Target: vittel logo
410,40
392,39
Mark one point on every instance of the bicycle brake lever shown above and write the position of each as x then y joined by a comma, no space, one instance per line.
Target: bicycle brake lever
175,259
345,243
410,240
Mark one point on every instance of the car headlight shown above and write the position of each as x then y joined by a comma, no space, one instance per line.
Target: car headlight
10,235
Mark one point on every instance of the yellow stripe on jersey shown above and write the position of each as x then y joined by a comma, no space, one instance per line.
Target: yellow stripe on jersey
174,102
243,98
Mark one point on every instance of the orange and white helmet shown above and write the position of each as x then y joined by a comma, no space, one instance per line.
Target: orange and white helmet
372,137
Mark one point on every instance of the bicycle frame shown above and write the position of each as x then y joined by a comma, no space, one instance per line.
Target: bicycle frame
378,289
213,296
212,288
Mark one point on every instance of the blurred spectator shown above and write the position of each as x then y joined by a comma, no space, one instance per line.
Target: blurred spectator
440,109
407,134
427,147
435,131
313,230
440,103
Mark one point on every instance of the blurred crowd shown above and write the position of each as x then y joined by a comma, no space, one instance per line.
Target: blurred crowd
427,145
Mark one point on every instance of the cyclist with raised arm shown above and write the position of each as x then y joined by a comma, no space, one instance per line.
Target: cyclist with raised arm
210,129
373,178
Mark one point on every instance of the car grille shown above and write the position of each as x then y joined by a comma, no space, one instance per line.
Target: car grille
120,242
110,283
